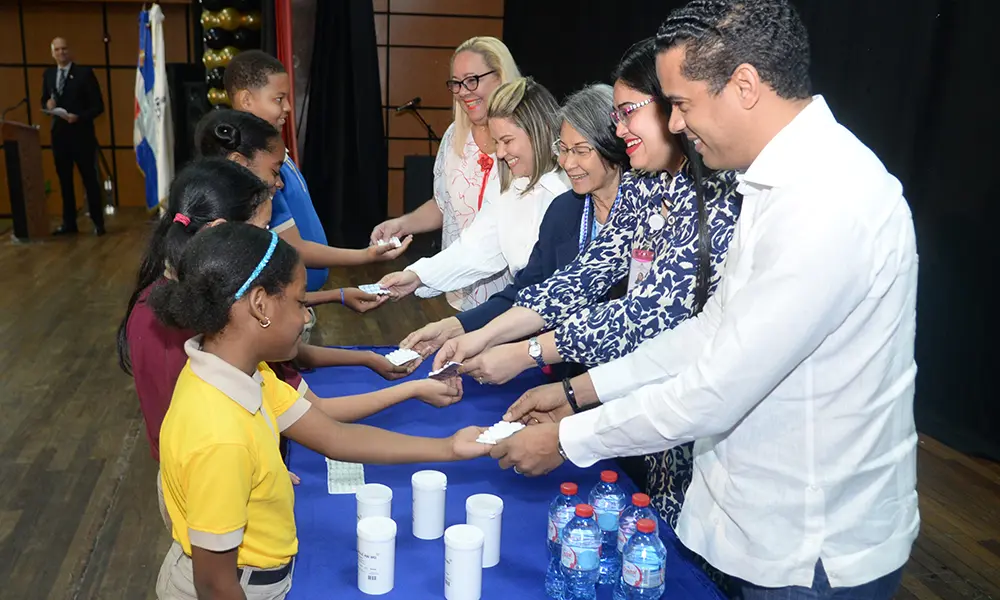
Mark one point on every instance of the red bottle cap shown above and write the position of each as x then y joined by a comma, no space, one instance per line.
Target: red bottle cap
609,476
640,499
645,525
569,489
585,510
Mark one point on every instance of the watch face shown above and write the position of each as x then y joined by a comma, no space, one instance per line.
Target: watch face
534,350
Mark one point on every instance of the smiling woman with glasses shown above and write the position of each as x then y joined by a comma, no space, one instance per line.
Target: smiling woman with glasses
666,237
466,173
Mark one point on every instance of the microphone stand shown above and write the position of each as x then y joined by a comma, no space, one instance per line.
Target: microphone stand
431,136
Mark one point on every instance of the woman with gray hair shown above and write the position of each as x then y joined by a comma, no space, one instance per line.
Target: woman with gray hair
594,159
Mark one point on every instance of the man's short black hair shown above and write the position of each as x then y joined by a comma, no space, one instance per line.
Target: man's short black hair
720,35
249,70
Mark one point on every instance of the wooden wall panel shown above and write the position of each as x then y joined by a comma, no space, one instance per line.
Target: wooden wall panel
81,24
428,30
492,8
131,183
10,35
416,39
12,91
123,90
419,72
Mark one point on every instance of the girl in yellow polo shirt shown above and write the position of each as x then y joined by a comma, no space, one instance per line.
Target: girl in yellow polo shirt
225,486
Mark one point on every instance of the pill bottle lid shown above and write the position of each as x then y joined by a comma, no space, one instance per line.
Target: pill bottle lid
429,480
376,529
609,476
464,537
569,488
484,505
640,499
584,510
645,526
374,492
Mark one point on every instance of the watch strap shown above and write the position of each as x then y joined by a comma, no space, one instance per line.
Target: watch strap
534,346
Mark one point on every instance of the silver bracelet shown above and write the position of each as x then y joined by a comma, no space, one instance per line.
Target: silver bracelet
562,452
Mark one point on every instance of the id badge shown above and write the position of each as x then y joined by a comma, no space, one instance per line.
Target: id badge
642,262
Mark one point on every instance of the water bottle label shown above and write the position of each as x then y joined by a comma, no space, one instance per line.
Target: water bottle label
607,519
557,524
640,576
607,511
581,559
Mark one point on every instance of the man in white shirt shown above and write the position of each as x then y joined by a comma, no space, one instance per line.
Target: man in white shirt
796,381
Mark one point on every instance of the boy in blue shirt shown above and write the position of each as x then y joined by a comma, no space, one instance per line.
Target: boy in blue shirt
258,83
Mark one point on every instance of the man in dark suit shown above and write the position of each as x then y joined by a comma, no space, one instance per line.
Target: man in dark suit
74,88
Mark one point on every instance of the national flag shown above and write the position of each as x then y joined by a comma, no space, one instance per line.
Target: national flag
153,132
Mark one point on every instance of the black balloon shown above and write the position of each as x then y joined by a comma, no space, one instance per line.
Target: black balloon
215,77
246,39
213,5
218,38
245,5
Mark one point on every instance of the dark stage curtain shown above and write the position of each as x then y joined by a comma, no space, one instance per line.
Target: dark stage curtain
913,80
344,161
268,34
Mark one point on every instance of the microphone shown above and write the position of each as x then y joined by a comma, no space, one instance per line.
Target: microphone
3,115
411,104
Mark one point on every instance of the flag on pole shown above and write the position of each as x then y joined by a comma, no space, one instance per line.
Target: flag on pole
153,132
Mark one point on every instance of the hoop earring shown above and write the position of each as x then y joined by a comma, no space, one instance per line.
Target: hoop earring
265,323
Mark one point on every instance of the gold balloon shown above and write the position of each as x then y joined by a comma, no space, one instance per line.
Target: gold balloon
251,20
211,59
209,19
229,19
217,97
226,54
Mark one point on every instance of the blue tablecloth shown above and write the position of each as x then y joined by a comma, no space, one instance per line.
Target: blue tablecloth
327,562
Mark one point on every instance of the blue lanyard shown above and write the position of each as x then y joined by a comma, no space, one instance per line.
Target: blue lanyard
588,224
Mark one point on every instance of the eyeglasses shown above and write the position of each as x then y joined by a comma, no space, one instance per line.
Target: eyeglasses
621,114
470,83
580,151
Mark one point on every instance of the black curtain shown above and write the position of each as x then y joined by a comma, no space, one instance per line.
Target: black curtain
344,160
268,33
913,79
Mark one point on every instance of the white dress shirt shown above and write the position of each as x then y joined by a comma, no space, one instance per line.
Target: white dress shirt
499,239
796,381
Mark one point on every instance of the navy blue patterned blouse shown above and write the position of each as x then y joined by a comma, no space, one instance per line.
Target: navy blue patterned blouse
591,332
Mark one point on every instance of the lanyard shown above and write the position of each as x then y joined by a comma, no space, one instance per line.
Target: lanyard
588,224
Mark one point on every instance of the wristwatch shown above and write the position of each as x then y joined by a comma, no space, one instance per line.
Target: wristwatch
535,352
562,452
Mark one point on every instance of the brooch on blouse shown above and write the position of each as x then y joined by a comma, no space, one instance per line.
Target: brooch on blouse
485,162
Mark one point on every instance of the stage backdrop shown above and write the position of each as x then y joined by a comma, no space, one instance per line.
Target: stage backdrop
913,80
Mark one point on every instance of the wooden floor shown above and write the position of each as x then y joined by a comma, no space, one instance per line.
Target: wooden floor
78,516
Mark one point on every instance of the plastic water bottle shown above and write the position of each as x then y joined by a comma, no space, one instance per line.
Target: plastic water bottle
639,509
561,510
581,554
608,501
644,563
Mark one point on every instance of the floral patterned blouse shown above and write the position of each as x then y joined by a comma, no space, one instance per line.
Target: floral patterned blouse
462,186
591,333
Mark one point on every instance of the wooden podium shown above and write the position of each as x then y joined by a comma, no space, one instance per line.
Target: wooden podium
23,154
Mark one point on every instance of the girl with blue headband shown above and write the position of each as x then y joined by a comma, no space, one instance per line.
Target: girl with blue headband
242,291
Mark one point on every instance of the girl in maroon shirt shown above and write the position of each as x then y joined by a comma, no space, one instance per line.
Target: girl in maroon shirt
207,192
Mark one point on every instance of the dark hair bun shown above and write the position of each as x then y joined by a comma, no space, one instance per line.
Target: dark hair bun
229,137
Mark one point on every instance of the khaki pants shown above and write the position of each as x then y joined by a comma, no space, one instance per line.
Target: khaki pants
176,580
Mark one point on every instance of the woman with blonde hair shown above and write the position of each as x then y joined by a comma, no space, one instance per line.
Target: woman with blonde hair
524,123
466,174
